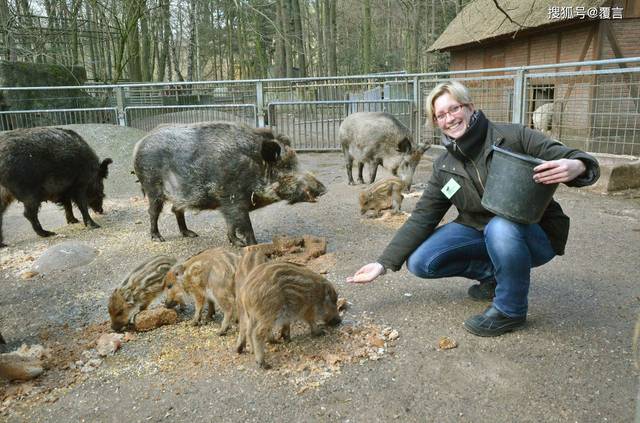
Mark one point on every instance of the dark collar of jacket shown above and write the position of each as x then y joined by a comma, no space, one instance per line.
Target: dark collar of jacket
453,163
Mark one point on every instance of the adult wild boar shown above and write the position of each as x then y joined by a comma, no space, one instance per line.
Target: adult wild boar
219,165
50,164
378,138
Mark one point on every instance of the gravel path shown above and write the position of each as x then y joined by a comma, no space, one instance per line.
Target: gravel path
573,362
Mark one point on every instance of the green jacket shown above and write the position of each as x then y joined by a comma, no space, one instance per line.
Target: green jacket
433,204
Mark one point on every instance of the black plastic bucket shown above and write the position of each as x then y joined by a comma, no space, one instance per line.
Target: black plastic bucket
511,191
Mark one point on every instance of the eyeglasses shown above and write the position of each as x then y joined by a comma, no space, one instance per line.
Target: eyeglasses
453,110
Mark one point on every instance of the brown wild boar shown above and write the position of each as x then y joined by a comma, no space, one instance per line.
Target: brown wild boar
384,194
277,294
138,290
209,275
251,258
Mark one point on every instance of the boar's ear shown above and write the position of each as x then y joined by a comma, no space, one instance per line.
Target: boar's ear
270,151
264,132
284,140
404,146
104,167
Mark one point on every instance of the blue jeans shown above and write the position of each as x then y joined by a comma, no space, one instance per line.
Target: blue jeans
505,251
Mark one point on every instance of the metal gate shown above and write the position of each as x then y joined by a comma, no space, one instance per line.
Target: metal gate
14,119
148,117
313,125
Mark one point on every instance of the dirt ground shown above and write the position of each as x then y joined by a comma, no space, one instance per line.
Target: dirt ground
573,362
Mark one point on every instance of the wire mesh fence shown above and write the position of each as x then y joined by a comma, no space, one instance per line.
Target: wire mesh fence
594,105
314,125
597,111
148,117
32,118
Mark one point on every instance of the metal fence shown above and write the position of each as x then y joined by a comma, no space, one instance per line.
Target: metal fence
592,105
148,117
33,118
314,125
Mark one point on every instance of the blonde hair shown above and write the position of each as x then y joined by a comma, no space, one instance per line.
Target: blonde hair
459,92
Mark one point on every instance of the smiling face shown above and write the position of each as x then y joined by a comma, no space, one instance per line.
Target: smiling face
452,119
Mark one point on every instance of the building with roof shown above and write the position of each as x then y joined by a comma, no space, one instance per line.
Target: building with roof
489,34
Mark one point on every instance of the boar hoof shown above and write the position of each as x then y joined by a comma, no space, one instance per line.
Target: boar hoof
46,234
317,332
263,365
93,225
351,183
72,220
189,234
361,181
223,332
157,238
238,242
195,323
2,245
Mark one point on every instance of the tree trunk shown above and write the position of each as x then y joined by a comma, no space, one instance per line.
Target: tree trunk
146,60
333,30
416,35
75,9
320,46
175,59
8,51
164,65
193,41
366,37
296,19
132,34
95,72
280,59
230,56
262,60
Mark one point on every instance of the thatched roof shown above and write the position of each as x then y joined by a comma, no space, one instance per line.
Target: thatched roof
481,20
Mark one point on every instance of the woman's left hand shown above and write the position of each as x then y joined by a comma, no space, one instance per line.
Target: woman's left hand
557,171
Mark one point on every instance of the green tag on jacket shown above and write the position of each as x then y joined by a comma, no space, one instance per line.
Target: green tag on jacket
450,188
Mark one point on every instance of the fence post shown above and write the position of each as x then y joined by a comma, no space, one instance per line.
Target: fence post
418,109
519,98
260,105
120,104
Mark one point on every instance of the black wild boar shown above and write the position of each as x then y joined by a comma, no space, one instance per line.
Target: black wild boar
378,138
50,164
219,165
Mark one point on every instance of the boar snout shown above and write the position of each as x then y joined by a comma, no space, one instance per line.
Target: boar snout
335,321
117,328
171,303
302,188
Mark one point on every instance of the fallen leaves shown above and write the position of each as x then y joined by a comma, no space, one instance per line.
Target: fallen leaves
389,219
446,343
307,250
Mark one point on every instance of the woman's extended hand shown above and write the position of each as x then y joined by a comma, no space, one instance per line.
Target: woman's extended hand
557,171
367,273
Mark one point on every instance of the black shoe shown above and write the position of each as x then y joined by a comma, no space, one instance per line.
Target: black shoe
484,291
493,323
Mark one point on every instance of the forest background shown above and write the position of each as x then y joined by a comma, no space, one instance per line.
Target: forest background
190,40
